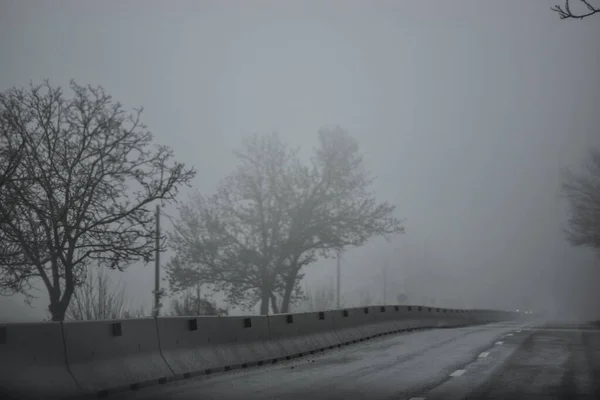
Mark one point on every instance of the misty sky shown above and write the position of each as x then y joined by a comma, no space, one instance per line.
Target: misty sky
466,112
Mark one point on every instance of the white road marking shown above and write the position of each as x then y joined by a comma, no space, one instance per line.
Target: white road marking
417,398
499,343
458,372
562,330
519,331
484,354
510,334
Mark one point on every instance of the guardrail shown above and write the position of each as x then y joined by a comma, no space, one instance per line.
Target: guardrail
96,358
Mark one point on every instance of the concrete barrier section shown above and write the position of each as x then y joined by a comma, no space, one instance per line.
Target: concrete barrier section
33,362
350,324
115,355
246,340
321,327
299,334
405,318
440,316
454,317
386,320
417,317
50,360
286,329
190,345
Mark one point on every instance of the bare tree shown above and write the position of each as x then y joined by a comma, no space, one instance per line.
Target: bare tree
274,216
11,153
88,176
97,299
582,191
564,12
210,248
233,238
336,208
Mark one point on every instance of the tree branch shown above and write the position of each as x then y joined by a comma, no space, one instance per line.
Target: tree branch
564,12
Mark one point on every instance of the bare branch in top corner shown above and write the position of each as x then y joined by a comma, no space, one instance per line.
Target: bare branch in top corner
564,12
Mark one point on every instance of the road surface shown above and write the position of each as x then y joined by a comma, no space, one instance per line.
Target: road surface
496,361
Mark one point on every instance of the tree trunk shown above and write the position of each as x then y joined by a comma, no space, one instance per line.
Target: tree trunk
58,306
58,310
265,299
290,284
274,304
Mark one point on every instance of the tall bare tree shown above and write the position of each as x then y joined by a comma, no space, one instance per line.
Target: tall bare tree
88,177
232,238
582,191
335,209
587,10
11,153
273,216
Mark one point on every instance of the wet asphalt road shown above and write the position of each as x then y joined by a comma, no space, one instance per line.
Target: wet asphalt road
497,361
552,361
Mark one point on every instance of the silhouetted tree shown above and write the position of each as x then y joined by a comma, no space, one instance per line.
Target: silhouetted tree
273,216
587,10
582,191
11,153
88,176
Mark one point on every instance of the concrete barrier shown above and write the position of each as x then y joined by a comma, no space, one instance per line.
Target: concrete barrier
455,318
387,320
352,324
323,330
245,341
49,360
191,345
481,316
406,318
439,317
419,317
286,329
299,334
115,355
33,362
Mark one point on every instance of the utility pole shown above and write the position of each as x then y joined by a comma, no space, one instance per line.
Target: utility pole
198,298
157,265
384,281
338,280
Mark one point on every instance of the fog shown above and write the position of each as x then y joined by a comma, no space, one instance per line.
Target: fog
466,112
